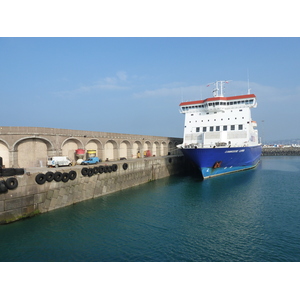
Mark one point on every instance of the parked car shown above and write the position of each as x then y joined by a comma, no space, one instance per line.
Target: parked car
91,161
59,161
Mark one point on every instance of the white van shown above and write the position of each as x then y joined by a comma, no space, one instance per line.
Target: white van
58,161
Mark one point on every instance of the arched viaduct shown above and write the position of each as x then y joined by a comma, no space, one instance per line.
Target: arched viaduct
23,147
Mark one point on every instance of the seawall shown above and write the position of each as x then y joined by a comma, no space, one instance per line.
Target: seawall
34,195
278,151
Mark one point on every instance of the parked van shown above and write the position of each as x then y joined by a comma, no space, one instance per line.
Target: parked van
91,161
59,161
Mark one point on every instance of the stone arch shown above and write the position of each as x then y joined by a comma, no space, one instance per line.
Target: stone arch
95,144
163,149
171,148
31,152
155,149
125,149
49,144
110,150
4,153
137,149
69,146
176,151
147,146
4,143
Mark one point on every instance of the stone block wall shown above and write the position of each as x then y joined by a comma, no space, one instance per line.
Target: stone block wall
277,151
31,198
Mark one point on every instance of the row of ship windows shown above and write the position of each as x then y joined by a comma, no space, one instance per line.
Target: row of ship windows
218,128
223,103
214,120
209,113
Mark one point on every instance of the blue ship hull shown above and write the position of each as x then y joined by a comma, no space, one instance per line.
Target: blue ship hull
219,161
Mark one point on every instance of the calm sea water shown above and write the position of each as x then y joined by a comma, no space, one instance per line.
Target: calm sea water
247,216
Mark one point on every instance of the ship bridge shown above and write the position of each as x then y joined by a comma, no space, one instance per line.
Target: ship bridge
216,104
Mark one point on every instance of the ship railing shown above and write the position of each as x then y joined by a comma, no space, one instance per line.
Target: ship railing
220,144
189,146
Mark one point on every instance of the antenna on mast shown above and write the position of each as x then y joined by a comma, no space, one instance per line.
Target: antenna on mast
248,82
216,89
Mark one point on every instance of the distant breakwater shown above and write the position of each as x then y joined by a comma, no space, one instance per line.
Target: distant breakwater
281,151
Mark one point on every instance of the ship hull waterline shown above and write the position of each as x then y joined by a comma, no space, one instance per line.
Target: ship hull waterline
214,162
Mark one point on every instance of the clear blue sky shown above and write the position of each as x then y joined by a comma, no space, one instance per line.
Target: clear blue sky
135,85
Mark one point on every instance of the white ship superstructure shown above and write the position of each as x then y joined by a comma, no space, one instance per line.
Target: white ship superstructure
219,121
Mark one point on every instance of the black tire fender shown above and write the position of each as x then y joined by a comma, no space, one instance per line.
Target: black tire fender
90,172
8,172
40,178
72,175
96,170
49,176
65,177
3,187
11,183
58,176
125,166
114,167
20,171
84,171
101,169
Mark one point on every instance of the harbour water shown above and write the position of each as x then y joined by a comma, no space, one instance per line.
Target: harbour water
251,216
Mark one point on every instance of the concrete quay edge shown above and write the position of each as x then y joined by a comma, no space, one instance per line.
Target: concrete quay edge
31,198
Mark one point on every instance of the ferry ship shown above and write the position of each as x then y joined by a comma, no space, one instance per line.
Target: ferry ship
219,134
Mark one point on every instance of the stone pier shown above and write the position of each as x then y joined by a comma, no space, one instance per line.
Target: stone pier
39,191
